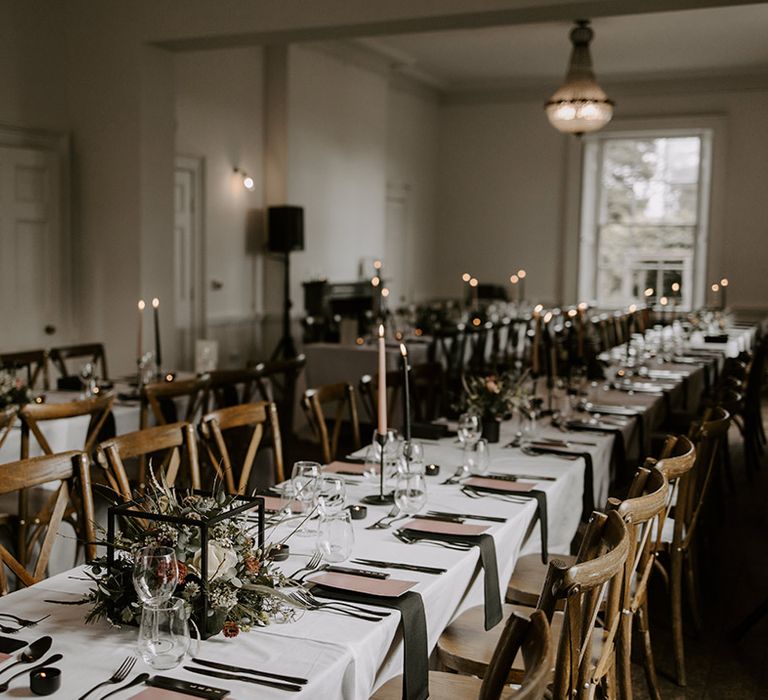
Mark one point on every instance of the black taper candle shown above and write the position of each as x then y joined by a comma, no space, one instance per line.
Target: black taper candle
406,393
158,354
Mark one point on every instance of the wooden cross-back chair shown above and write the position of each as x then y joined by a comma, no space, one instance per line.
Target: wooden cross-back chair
177,444
160,398
529,636
87,352
447,348
71,469
35,362
679,536
7,420
231,387
33,417
344,397
260,417
277,381
464,647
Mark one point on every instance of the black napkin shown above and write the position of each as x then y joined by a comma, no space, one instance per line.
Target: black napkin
541,511
588,497
414,623
487,560
619,447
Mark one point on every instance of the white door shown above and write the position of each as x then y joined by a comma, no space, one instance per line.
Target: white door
188,257
34,258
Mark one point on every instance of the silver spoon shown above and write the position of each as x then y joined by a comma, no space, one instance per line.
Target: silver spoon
33,652
50,660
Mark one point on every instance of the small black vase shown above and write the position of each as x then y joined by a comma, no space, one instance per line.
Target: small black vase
491,428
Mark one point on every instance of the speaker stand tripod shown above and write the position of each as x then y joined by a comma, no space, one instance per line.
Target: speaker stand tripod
286,348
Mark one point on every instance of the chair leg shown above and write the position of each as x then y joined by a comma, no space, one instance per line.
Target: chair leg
691,569
676,599
648,664
624,657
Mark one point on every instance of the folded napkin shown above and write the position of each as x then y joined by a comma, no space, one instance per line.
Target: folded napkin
588,497
487,560
348,468
414,623
619,446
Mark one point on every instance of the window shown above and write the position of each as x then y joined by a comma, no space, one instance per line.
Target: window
644,215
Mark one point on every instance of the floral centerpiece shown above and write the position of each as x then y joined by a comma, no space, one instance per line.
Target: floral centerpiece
13,391
493,398
242,580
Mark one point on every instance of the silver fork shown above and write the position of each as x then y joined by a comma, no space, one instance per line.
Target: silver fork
24,622
309,598
385,522
117,677
314,563
471,493
458,546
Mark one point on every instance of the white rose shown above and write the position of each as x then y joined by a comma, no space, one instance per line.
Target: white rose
222,561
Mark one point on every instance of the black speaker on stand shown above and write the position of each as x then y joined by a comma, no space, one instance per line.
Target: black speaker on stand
285,226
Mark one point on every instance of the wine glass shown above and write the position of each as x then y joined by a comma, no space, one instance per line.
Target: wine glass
413,457
155,574
336,536
411,492
469,429
330,494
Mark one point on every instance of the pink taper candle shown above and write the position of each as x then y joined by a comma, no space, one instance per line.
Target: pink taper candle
382,382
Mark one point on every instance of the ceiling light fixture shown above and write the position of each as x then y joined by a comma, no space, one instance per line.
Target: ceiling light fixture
580,105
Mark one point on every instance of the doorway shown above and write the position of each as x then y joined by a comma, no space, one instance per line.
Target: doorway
189,256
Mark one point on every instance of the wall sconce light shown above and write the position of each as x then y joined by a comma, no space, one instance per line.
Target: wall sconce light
248,182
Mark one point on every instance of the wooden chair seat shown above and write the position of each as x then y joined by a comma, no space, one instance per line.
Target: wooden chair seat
525,585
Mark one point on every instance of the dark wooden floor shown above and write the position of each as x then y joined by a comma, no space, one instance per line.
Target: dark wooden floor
736,581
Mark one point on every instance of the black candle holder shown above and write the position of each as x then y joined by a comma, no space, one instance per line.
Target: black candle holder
45,681
131,510
380,498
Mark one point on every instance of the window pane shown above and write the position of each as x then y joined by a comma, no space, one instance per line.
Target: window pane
647,217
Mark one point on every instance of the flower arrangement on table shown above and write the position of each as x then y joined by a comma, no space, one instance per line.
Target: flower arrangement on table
494,397
242,577
13,391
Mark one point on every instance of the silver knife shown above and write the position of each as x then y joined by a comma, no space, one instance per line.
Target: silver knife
397,565
238,669
357,572
245,679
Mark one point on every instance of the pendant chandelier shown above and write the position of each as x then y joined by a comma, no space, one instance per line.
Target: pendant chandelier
579,105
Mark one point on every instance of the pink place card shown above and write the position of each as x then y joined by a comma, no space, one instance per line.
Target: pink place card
500,484
387,588
274,504
348,467
159,694
443,527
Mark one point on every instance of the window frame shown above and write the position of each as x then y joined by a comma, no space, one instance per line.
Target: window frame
708,130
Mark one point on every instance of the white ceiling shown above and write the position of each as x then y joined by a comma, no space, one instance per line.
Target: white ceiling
694,42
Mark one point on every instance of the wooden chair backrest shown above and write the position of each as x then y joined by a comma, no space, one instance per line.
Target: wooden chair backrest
231,387
708,436
32,414
35,362
344,397
7,419
256,415
159,397
71,469
598,571
532,636
677,457
169,438
277,381
92,352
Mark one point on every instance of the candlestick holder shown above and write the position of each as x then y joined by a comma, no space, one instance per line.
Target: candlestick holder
380,498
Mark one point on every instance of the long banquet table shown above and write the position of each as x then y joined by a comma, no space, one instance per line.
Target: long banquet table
344,657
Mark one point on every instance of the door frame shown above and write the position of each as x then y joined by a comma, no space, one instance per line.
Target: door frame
59,143
196,166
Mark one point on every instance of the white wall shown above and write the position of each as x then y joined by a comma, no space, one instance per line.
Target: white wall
504,179
219,117
337,162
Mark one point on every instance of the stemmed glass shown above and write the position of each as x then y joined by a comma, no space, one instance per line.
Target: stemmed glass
155,574
336,536
477,458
